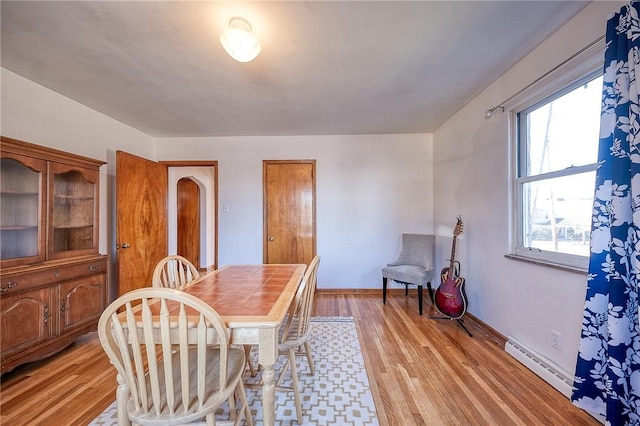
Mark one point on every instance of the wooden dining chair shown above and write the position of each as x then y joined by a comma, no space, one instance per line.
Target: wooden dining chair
171,351
296,333
174,272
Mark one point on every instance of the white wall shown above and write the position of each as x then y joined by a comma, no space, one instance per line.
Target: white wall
369,189
35,114
471,178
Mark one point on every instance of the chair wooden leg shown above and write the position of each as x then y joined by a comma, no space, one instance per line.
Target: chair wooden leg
384,290
406,289
420,299
285,367
210,419
307,349
245,405
430,291
295,383
247,354
232,406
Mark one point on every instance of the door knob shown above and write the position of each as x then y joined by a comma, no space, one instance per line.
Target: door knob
125,245
271,239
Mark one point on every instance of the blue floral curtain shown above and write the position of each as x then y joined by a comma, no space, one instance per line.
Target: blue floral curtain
607,380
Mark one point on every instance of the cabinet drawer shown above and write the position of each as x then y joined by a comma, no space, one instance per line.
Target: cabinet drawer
12,283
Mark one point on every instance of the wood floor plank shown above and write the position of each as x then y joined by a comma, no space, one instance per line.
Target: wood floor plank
466,380
421,371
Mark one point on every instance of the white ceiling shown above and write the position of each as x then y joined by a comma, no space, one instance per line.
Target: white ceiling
326,67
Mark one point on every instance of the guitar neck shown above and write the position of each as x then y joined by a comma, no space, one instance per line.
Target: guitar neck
452,259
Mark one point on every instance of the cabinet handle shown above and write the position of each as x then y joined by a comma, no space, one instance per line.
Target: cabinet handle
10,285
62,309
94,268
46,314
56,273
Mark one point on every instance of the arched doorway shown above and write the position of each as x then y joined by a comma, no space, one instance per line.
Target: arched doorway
188,224
205,175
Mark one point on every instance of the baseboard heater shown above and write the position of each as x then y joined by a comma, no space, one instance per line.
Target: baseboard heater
543,367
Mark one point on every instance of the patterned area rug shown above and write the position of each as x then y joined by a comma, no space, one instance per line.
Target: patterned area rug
338,394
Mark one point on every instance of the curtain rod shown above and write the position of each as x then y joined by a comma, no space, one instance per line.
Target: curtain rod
500,107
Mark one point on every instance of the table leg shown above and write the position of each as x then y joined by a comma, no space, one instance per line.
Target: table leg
267,355
122,398
268,394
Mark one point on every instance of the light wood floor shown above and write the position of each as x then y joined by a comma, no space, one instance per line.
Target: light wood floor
421,371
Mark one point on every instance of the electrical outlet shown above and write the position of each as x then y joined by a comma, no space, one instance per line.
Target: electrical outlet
556,340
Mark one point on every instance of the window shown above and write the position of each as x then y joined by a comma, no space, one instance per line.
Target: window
557,149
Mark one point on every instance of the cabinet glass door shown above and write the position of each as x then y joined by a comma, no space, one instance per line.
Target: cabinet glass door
74,209
21,199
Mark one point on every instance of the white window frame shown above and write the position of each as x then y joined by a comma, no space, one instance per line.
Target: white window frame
561,81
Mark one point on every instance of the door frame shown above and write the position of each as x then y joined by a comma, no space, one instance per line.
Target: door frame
214,165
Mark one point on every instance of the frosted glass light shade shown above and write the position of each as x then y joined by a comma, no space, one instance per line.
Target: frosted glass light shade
239,41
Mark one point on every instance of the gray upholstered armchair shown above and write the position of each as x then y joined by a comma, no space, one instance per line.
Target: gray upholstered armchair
414,266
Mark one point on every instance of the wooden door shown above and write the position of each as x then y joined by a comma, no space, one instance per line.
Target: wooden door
289,211
188,198
141,219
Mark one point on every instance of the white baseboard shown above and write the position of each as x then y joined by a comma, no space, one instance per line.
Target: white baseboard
543,367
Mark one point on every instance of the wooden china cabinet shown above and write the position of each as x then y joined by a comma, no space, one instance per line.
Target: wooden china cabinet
53,281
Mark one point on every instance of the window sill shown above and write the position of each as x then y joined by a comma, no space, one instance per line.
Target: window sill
546,263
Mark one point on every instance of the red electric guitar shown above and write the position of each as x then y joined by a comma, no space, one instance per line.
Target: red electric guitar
450,298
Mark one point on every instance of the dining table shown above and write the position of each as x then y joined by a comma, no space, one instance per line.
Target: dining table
253,301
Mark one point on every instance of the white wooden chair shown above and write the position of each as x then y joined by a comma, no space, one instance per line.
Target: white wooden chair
171,351
174,272
296,332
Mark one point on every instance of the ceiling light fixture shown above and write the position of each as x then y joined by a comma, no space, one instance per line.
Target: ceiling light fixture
239,42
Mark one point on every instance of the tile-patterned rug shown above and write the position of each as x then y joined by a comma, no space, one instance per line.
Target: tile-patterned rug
338,394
